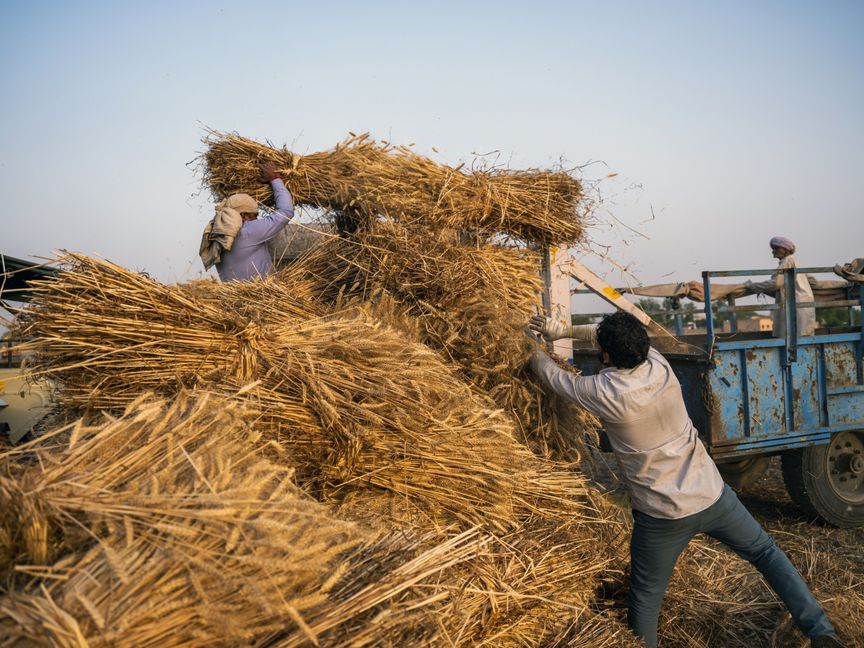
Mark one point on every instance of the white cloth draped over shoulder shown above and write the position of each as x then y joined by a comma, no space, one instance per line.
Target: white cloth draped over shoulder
220,232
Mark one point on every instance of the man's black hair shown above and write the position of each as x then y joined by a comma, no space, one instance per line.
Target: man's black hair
624,338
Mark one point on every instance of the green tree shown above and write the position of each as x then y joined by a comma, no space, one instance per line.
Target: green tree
664,312
837,316
580,319
656,310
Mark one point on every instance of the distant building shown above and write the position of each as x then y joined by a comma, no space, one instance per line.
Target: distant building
750,325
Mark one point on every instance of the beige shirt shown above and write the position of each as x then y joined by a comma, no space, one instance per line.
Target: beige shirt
663,461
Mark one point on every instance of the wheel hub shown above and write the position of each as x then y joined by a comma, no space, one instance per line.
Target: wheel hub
845,467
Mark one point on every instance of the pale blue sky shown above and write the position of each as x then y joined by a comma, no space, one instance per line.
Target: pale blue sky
733,121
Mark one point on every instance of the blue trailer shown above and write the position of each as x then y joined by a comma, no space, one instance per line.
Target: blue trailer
752,395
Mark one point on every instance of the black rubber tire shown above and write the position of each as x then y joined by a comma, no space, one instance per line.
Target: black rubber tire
793,478
741,475
806,478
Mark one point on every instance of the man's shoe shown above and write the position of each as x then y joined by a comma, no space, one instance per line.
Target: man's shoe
826,641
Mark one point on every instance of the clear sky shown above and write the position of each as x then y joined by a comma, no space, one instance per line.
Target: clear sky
726,122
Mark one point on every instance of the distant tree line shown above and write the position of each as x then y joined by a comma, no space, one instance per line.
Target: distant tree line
837,316
662,312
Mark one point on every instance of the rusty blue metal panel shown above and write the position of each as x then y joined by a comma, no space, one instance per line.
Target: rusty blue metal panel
844,391
766,391
757,400
771,445
767,395
763,343
726,389
846,409
840,364
806,394
852,389
691,373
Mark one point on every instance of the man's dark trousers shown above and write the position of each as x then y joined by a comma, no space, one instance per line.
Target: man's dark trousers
657,543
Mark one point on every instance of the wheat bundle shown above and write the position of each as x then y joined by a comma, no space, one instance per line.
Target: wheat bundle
168,525
364,179
534,586
363,404
368,416
468,300
375,422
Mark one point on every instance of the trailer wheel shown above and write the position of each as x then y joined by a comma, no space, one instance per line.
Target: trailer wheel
742,474
828,480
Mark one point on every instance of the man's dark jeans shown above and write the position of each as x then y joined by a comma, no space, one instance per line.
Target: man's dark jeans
657,543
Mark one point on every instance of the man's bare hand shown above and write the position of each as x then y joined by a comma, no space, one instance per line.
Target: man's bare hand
268,172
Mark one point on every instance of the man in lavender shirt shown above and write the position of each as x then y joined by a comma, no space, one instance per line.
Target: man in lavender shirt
249,258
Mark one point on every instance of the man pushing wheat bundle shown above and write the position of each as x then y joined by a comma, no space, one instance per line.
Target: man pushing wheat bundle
675,488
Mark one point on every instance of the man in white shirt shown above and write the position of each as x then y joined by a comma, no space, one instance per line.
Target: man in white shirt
782,249
675,488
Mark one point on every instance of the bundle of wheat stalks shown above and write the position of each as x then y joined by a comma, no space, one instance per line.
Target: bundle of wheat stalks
169,526
364,179
373,424
349,452
468,300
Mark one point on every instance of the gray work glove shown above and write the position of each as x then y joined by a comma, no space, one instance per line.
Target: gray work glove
549,328
532,335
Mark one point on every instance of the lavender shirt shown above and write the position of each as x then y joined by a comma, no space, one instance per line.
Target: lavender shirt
249,258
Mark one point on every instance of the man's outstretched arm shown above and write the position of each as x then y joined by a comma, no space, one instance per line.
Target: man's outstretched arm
263,229
581,390
553,329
